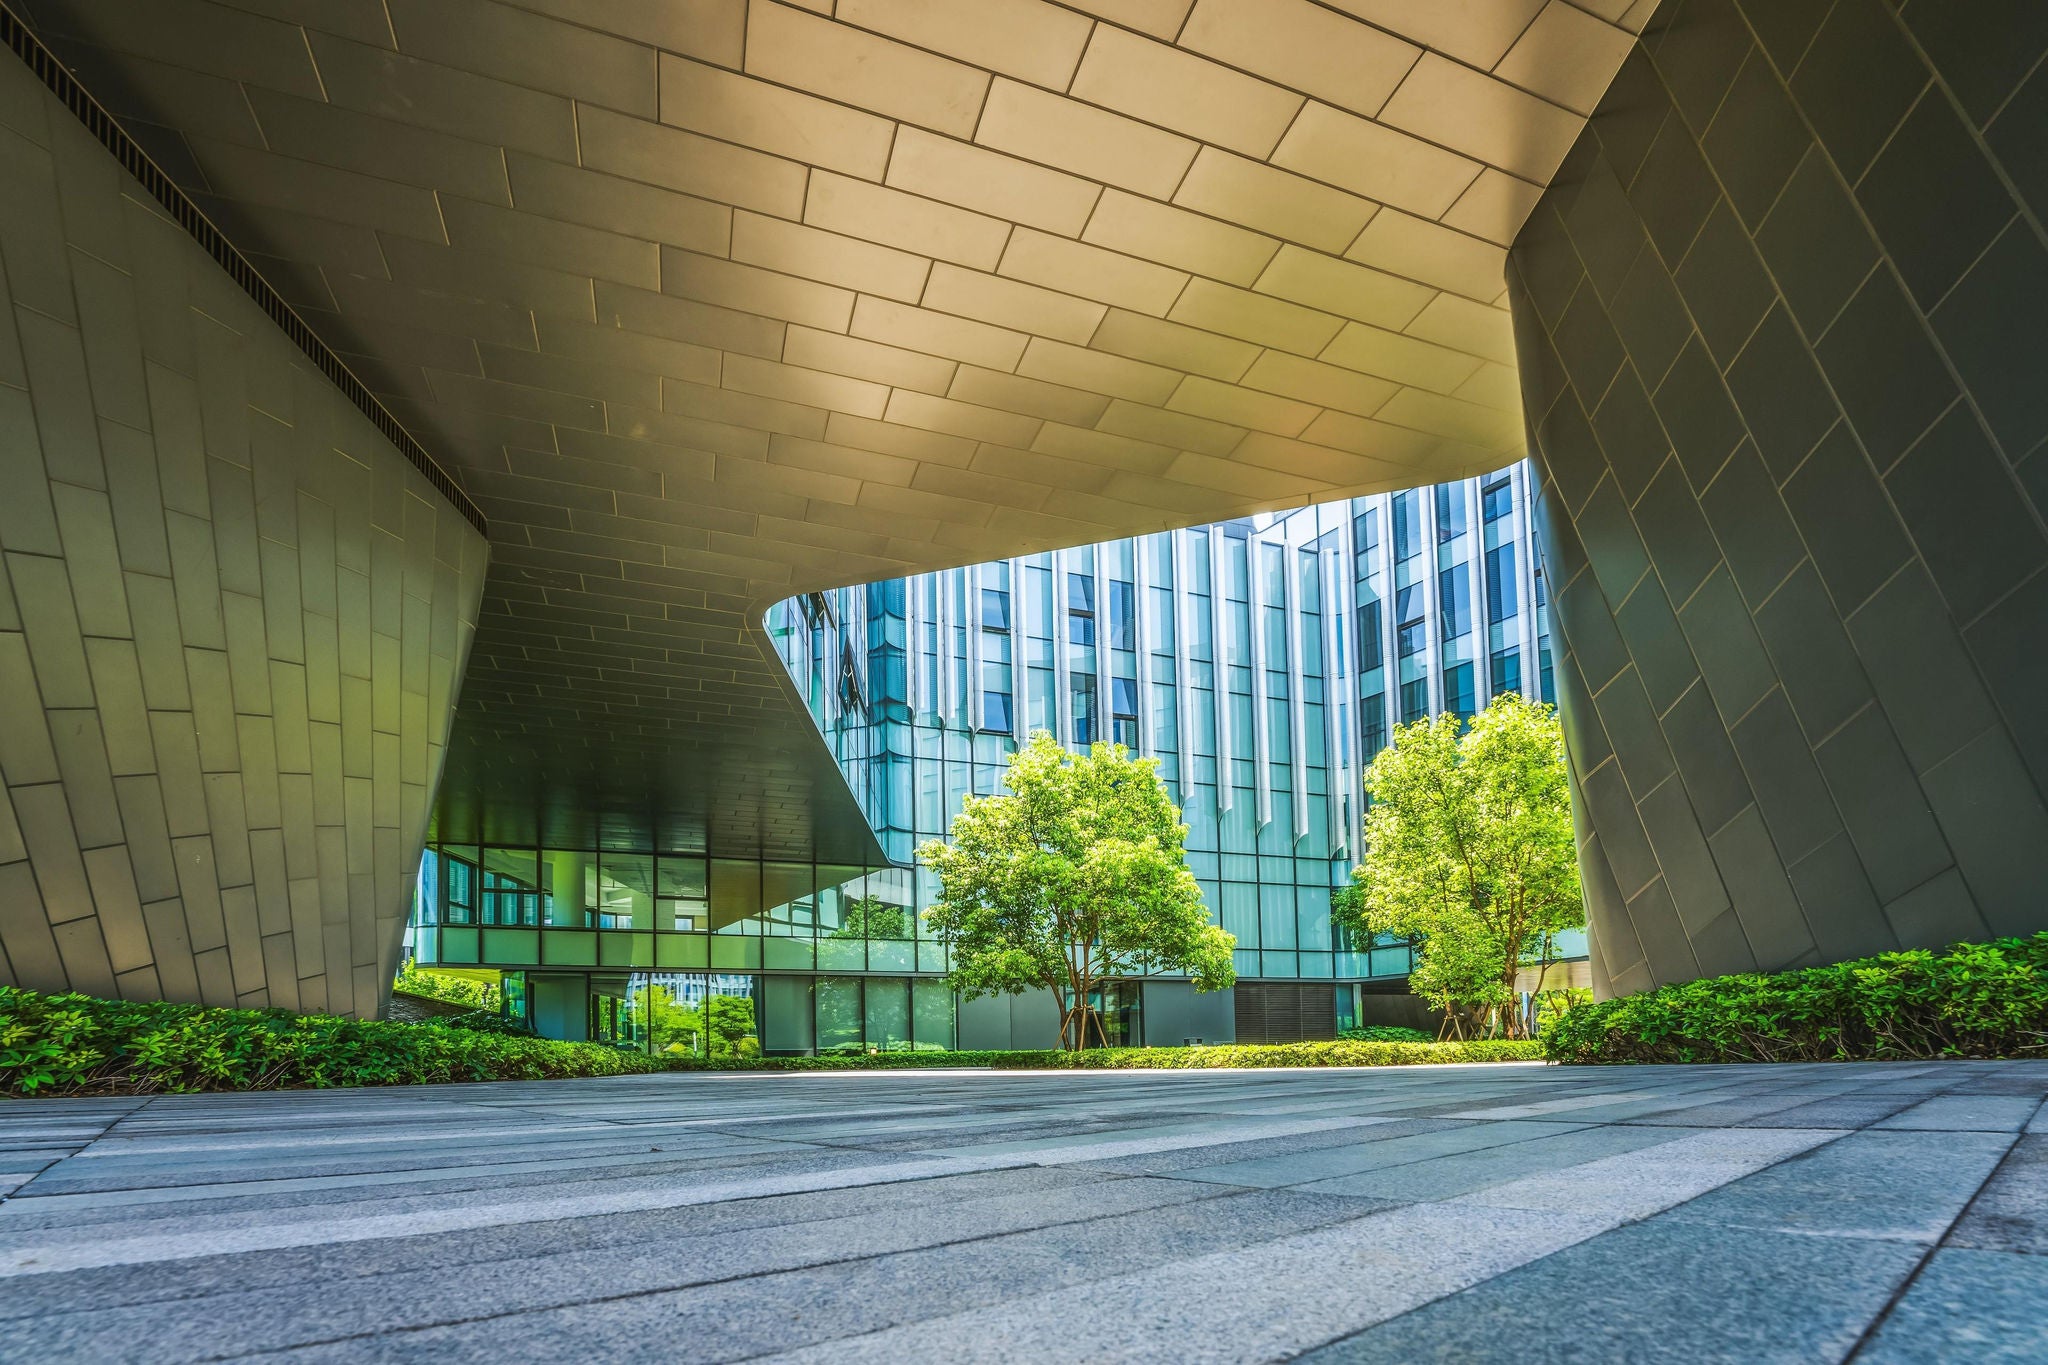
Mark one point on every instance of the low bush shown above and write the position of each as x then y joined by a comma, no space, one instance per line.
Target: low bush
1384,1033
1342,1052
1970,1000
79,1045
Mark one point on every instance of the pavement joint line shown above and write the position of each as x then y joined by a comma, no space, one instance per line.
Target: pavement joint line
1912,1277
799,1220
1536,1260
60,1257
838,1344
21,1191
876,1153
366,1181
1222,1192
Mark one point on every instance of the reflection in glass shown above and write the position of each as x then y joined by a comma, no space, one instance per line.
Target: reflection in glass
789,890
839,1014
786,1022
700,1014
682,894
735,896
569,887
511,887
625,891
888,1014
931,1015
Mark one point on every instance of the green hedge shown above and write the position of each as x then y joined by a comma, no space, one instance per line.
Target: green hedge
80,1045
76,1044
1343,1052
1384,1033
1222,1057
1971,1000
865,1061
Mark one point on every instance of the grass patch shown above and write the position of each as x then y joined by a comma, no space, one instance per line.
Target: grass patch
1970,1000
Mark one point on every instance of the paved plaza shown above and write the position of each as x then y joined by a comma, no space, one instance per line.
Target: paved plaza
1479,1213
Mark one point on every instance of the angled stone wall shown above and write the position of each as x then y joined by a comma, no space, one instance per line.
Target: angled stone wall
1783,327
233,616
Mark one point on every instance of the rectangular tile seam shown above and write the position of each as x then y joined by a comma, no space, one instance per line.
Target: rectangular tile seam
109,132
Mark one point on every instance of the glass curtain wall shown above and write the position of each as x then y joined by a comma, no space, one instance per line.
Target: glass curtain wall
1262,662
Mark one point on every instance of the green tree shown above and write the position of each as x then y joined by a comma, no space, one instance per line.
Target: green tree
872,917
1469,854
1076,876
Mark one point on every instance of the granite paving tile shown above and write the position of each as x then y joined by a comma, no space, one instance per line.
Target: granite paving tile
2011,1212
1466,1213
1654,1291
1968,1113
1979,1306
1299,1168
1902,1186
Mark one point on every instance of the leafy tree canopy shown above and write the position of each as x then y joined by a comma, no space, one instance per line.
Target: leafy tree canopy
1076,875
1469,853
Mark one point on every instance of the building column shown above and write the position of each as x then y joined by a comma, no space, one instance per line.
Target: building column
1779,323
235,606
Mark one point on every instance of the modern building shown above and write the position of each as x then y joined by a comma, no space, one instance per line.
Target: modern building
412,414
1327,626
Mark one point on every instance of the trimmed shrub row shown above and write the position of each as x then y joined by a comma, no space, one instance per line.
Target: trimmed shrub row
1970,1000
1385,1033
865,1061
1222,1056
80,1045
1343,1052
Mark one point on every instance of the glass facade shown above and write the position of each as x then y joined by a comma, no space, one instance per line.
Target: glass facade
1262,662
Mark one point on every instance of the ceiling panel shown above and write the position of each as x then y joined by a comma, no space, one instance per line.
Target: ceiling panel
715,301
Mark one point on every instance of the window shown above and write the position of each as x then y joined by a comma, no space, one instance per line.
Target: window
1500,583
995,609
1450,511
461,889
1414,700
1123,619
995,712
1542,591
850,699
1365,533
1123,709
1080,609
1507,672
1454,591
1458,689
1371,649
1544,679
1496,500
1408,634
1084,708
1373,714
508,900
1407,542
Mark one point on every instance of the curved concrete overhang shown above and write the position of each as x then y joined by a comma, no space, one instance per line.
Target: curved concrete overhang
710,303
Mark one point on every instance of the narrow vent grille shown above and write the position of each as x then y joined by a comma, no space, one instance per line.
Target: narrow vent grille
103,126
1285,1012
